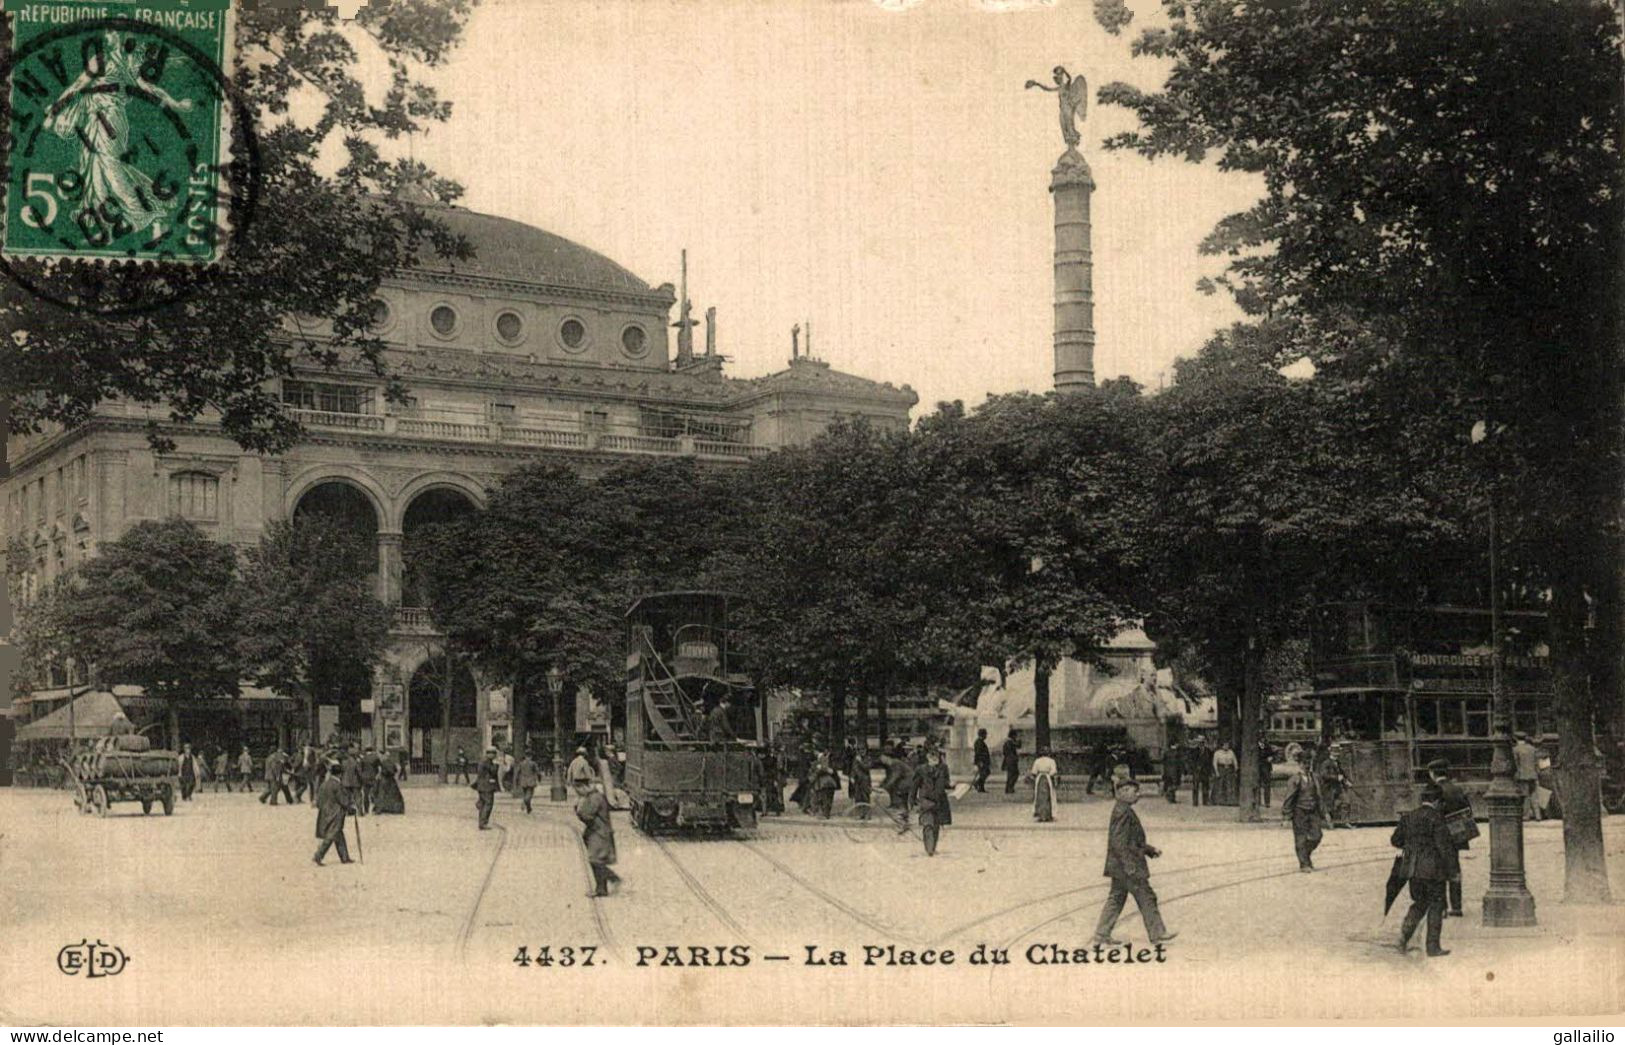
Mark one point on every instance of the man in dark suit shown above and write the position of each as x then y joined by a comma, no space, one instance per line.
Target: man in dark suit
983,759
331,805
1011,763
717,727
1452,799
1201,766
1305,806
485,785
931,798
1429,860
1126,854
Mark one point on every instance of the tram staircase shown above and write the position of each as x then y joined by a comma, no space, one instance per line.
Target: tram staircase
670,710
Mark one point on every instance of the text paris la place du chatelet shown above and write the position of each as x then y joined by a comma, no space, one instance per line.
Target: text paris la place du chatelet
53,13
892,956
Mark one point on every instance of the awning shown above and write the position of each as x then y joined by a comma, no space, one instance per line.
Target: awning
91,714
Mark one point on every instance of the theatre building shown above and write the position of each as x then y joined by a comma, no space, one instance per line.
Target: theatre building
537,348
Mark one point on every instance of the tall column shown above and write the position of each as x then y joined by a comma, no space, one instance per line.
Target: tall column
1071,184
389,568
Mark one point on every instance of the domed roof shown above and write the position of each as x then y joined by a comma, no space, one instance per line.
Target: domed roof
507,249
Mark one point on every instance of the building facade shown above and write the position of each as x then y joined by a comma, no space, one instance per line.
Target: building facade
535,349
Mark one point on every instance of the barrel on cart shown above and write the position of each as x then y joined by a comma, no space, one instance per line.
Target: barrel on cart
123,769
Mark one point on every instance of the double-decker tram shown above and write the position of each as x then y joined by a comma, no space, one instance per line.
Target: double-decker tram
1401,686
694,723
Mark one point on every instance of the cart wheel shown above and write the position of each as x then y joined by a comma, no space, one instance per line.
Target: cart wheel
146,807
81,800
167,796
99,799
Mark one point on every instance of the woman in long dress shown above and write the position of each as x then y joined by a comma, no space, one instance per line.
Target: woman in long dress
387,797
1045,774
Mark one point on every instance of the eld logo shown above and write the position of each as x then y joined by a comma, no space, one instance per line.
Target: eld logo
93,959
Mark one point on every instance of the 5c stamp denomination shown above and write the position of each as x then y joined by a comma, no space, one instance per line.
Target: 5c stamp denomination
118,144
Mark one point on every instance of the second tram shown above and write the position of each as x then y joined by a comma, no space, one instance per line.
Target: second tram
1399,687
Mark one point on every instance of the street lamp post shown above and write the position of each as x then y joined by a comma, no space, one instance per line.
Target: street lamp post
555,689
1508,902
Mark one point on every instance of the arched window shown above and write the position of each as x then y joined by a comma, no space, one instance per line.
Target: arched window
194,495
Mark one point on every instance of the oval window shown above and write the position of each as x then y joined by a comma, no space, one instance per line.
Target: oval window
634,341
444,320
572,333
510,326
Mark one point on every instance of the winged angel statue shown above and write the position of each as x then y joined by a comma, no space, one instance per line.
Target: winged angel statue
1074,98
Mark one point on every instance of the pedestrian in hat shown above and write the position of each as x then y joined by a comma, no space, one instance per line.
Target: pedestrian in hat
580,768
1306,807
931,785
1010,762
485,786
983,760
332,803
529,775
597,835
1429,861
1126,855
1452,801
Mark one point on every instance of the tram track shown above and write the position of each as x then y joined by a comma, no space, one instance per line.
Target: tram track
834,901
702,894
470,926
1163,901
1102,887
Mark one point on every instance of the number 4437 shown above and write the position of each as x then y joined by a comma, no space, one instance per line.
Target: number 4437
565,957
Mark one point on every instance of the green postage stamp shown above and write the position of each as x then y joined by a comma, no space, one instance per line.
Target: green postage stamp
118,140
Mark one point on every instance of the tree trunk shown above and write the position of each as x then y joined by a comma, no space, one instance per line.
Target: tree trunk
445,718
172,723
1585,870
881,699
1041,673
1252,701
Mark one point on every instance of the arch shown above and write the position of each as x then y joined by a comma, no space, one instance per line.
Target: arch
349,505
418,484
423,715
318,474
431,502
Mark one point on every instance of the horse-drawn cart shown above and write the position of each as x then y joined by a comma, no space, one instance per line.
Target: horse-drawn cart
123,769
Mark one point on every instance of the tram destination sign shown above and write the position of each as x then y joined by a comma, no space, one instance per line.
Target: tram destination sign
1473,672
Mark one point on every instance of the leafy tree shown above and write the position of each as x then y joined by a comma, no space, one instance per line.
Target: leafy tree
823,565
1449,171
312,624
542,576
1270,495
1038,526
318,243
157,609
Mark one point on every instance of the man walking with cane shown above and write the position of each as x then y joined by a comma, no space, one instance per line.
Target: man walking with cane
331,806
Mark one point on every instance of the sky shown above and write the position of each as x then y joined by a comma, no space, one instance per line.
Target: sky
879,172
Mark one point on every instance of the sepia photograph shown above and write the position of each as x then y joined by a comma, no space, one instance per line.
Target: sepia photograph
812,513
